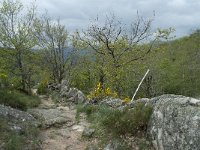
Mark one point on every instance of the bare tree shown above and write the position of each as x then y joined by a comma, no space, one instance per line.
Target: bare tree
116,44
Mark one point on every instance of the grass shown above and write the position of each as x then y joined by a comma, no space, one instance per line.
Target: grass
18,99
15,141
117,124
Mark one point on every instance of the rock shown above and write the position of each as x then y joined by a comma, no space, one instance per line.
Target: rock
18,120
50,117
142,100
78,128
72,92
91,147
64,82
64,133
52,86
64,91
88,132
114,145
79,98
58,87
175,123
112,102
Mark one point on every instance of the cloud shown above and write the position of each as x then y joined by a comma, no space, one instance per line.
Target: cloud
183,15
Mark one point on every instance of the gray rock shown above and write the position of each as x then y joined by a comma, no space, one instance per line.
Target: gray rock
50,117
72,92
175,123
88,132
64,82
142,100
64,133
114,145
58,87
112,102
79,98
12,113
64,91
52,86
91,147
18,120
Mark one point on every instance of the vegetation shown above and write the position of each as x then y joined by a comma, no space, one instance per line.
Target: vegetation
118,124
16,141
104,53
18,99
106,60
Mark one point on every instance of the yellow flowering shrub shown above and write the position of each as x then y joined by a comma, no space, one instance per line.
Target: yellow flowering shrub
99,92
127,100
3,76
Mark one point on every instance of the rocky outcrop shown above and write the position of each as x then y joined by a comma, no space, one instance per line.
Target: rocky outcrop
112,102
88,132
67,94
51,117
175,123
18,120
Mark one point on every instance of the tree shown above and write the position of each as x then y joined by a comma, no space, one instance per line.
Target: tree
53,39
115,47
17,38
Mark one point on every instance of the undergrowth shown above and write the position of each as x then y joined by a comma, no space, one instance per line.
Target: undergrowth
117,123
18,99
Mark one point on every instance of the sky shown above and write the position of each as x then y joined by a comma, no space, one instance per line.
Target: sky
182,15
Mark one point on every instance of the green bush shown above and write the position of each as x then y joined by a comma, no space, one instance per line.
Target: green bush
110,123
42,87
18,100
119,122
127,121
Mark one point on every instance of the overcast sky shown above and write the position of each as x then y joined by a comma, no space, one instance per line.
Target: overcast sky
183,15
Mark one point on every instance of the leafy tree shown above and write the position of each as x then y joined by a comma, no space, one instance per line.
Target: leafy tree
53,39
17,38
116,48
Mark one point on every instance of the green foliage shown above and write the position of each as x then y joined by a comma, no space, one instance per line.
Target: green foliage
127,121
119,122
42,87
100,92
18,100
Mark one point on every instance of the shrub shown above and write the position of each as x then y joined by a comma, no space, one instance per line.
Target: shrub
42,87
18,100
127,121
119,122
99,93
114,124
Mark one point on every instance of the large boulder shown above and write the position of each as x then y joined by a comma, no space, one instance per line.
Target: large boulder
75,96
18,120
175,123
112,102
51,117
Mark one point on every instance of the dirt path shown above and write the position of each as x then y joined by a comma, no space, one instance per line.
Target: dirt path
67,136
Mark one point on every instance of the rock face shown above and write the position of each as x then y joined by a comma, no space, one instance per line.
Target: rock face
88,132
112,102
51,117
175,123
72,95
18,120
